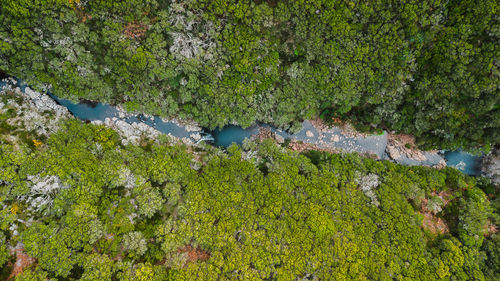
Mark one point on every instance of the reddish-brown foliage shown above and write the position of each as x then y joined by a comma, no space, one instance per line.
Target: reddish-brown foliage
22,262
434,224
491,228
135,29
194,254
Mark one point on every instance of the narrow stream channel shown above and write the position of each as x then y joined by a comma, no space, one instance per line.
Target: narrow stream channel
334,138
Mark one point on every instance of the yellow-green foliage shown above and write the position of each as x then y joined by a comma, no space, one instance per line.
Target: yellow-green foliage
143,213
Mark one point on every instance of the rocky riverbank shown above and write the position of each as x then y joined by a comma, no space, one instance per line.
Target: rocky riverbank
384,146
136,127
491,165
42,114
34,111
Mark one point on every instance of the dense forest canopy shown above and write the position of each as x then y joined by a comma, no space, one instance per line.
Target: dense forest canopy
77,202
80,204
424,67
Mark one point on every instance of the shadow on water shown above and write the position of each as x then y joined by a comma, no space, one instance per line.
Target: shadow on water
87,110
92,104
232,134
3,75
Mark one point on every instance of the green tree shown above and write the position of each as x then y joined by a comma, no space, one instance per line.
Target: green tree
135,243
4,252
97,267
43,242
32,275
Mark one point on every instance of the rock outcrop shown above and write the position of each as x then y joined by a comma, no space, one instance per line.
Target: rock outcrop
399,145
491,166
131,133
37,111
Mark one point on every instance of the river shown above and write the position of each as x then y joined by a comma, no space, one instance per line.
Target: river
333,138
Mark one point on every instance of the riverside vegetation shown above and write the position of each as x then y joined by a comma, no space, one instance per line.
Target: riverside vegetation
80,204
427,68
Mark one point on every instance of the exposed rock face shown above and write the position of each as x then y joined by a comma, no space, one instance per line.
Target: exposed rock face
131,133
266,133
491,166
279,138
393,152
299,146
398,145
440,165
37,112
43,102
319,125
196,136
191,127
417,155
